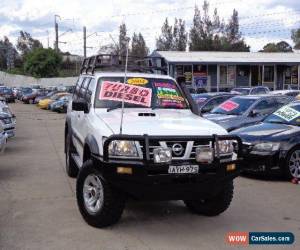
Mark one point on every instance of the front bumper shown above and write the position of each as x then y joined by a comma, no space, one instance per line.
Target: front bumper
3,140
10,130
150,181
263,163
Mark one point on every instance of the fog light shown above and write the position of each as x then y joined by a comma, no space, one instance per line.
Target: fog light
123,170
230,167
162,155
204,154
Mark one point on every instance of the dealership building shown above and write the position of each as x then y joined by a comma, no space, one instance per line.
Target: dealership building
225,70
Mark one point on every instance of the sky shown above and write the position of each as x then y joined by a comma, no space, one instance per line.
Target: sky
260,21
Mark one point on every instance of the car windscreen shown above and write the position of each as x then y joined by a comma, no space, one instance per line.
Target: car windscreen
200,99
234,106
139,92
242,91
288,114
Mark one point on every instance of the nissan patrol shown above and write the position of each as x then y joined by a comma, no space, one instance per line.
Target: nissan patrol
136,135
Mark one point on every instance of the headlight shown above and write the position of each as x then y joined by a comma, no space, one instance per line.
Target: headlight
1,126
225,147
123,148
162,155
266,147
204,154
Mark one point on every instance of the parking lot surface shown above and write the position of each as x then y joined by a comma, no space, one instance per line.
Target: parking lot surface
38,207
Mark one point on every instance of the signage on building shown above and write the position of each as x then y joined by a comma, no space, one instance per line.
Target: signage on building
200,80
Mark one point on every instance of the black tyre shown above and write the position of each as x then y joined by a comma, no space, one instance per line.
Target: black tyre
292,165
71,167
100,205
214,205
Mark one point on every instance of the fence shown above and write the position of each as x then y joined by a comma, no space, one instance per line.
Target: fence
12,80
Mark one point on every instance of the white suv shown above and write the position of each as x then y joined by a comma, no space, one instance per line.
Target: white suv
163,150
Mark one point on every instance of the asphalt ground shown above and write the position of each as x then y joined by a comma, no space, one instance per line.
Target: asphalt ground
38,208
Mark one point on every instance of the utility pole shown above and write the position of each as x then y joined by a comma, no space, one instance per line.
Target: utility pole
84,41
56,33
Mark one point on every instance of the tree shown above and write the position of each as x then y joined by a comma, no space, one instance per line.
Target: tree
212,34
277,47
179,35
26,44
165,40
42,63
234,41
138,46
8,53
296,38
123,40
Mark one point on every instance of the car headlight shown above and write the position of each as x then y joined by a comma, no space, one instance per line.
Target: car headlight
266,147
226,147
162,155
204,154
123,148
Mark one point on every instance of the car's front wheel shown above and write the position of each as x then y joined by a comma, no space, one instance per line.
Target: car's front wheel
214,205
99,204
292,167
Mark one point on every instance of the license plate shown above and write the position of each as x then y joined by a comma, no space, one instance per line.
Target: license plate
184,169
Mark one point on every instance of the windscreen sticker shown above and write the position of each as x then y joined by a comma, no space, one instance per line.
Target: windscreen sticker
287,113
115,91
199,99
171,103
137,81
167,91
229,106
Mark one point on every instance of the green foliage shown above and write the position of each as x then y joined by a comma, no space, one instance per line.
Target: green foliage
172,38
7,51
296,38
212,34
123,40
42,63
27,44
138,46
277,47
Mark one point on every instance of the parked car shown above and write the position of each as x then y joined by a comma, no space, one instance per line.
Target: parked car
241,111
291,93
60,105
3,137
260,90
274,144
23,91
30,98
8,94
208,101
44,103
42,97
8,120
163,145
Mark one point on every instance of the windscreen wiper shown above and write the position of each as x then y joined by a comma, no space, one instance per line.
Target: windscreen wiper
117,106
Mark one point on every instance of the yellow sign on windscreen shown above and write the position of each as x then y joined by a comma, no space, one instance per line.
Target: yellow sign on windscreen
137,81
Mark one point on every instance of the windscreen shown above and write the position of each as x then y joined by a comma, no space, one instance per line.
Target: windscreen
288,114
139,92
234,106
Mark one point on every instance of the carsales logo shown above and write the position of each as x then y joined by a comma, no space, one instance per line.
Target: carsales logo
237,238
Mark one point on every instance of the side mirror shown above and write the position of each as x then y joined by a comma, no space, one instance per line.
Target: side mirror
254,113
80,105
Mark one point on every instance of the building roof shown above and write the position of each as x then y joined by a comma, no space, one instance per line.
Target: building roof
211,57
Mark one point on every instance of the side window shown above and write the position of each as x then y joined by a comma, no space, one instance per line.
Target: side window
262,91
263,106
84,87
77,88
254,91
90,89
279,102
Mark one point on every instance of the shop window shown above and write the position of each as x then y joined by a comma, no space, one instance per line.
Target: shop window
294,75
187,71
223,74
268,73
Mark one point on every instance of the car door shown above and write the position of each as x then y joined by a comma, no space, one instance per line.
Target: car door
84,118
75,115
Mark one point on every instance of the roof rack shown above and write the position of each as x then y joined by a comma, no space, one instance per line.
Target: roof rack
117,63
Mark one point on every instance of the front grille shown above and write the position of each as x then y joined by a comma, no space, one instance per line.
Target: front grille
7,120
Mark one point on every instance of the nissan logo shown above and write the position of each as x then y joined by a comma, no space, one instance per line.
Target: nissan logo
177,149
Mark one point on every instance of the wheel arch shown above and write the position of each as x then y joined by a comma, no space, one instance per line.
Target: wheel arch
90,147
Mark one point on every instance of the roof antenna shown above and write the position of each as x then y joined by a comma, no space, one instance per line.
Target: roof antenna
125,80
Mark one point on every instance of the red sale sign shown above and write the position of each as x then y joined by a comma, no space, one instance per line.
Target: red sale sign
115,91
229,105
